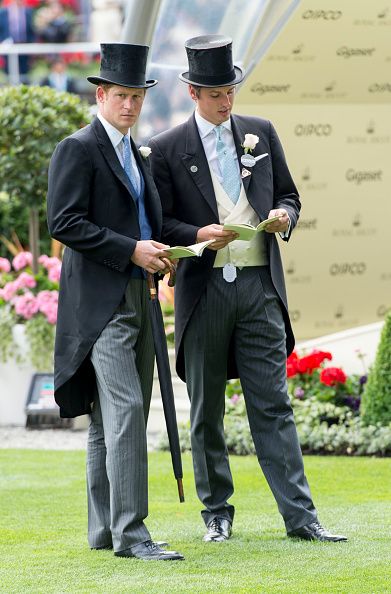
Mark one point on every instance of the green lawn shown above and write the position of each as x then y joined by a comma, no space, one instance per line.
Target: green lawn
43,547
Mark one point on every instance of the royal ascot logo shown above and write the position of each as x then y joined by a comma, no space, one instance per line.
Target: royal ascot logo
297,54
347,268
357,229
369,136
328,92
310,129
380,19
307,225
360,177
261,89
296,279
352,52
322,15
307,184
380,88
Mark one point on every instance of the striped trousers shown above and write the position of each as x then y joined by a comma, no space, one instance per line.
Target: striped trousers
117,472
246,316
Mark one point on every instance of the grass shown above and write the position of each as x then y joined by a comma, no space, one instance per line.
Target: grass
43,547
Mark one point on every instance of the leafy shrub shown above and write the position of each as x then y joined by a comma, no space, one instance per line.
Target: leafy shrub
376,407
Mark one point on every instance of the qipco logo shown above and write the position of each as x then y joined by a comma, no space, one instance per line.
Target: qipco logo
347,268
322,15
313,130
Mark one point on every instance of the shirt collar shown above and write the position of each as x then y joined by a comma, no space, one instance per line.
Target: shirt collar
205,127
115,135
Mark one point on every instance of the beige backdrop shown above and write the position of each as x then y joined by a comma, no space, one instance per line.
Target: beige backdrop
326,85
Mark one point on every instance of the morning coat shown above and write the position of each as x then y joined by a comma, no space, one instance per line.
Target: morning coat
182,176
91,210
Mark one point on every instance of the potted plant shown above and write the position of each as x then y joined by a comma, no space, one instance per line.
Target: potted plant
28,314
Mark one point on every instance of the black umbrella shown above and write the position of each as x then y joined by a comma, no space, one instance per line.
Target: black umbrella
164,373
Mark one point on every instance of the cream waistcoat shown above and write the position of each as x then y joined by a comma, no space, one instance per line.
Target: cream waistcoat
239,253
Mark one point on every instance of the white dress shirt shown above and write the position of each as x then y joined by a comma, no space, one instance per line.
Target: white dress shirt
208,138
116,140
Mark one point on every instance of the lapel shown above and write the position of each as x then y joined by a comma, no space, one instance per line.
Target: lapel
151,196
238,134
111,157
195,162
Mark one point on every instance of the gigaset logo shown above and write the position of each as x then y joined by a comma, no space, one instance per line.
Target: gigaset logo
325,15
261,89
351,268
349,52
313,129
358,177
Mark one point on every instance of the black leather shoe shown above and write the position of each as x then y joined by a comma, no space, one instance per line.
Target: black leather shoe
315,531
150,551
102,548
219,529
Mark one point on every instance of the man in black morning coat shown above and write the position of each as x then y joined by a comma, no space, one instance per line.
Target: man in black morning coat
231,315
103,205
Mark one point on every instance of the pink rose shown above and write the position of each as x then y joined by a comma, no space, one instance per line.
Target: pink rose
9,290
22,260
26,305
5,265
54,273
48,305
26,281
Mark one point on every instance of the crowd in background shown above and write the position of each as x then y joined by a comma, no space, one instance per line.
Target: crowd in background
62,21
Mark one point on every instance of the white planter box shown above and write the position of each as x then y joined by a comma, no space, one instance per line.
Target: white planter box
14,384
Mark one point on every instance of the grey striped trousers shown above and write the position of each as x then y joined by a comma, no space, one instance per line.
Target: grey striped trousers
117,472
245,314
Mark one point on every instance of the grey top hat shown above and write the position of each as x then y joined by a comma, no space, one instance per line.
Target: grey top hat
123,64
210,62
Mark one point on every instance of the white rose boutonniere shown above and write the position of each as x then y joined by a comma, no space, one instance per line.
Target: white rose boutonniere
250,142
145,151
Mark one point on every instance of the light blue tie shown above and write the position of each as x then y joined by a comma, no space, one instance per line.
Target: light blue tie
129,170
229,170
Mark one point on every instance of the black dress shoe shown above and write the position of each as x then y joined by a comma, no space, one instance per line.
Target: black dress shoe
315,531
219,529
102,548
150,551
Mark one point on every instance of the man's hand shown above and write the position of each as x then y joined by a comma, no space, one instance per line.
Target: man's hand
281,225
148,254
216,232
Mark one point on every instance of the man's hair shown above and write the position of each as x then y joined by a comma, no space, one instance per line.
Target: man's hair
197,90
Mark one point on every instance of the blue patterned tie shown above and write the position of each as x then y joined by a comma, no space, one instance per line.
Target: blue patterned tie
229,170
129,170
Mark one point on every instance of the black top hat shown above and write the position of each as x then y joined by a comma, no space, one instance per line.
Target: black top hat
210,62
123,64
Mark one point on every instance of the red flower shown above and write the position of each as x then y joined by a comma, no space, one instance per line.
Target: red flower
291,364
330,376
312,361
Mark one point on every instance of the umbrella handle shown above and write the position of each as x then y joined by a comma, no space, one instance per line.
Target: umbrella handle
180,490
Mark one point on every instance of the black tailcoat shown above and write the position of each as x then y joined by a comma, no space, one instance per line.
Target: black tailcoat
91,210
184,183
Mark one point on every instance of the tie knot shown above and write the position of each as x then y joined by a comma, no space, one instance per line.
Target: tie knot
218,130
125,139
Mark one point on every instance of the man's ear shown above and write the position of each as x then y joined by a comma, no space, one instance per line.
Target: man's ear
192,93
100,93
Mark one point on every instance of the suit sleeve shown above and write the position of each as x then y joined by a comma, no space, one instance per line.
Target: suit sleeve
285,192
68,203
175,232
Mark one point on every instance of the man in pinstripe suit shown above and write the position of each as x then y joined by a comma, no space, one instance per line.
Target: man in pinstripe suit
103,205
231,310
